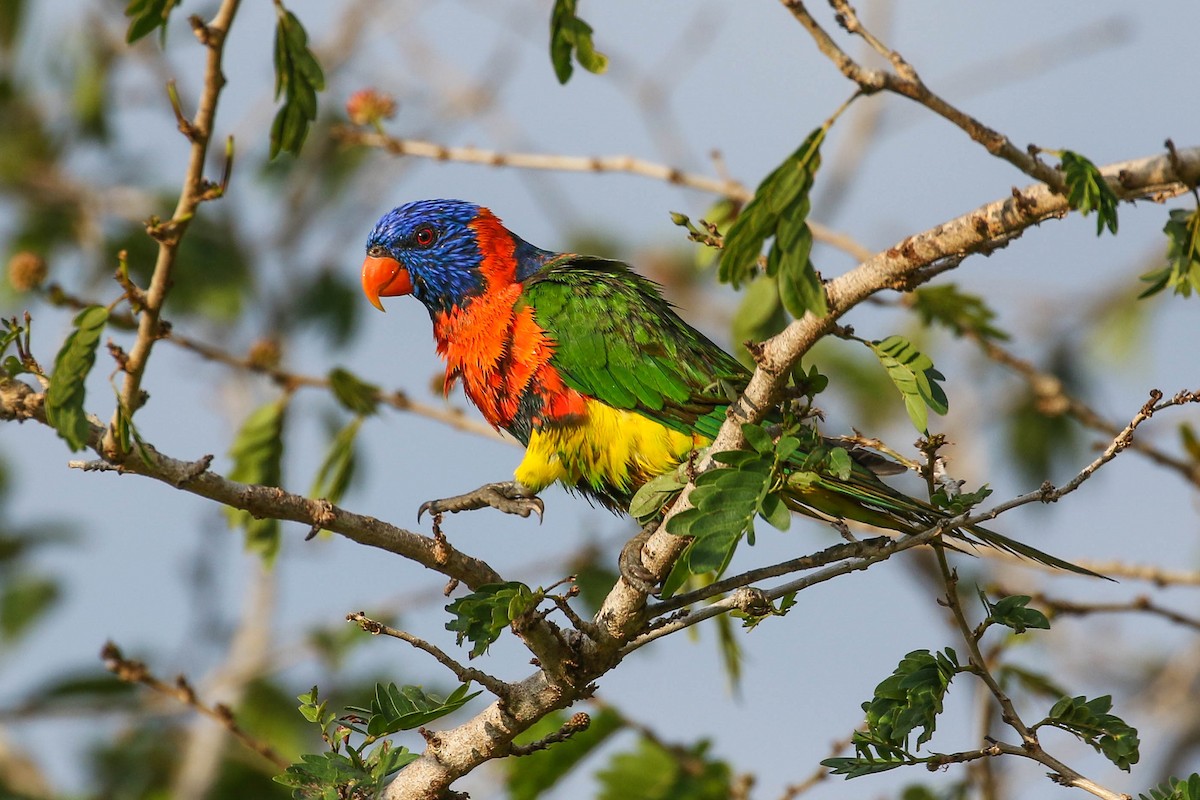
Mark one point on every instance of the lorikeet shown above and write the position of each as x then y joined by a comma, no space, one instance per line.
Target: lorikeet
583,361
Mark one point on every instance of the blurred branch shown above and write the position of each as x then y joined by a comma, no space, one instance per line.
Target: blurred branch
170,233
1052,395
132,671
1139,604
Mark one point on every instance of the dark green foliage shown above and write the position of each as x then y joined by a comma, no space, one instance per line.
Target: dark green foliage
655,494
911,697
404,708
1087,191
780,209
337,469
570,34
1182,273
1090,721
1014,612
654,772
962,313
331,304
727,498
1175,789
257,453
146,15
529,777
330,776
912,372
299,77
24,599
482,616
64,398
356,395
960,501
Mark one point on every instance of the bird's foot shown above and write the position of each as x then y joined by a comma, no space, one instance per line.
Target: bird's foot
629,563
507,496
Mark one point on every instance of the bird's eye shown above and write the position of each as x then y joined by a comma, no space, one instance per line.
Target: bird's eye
377,251
424,236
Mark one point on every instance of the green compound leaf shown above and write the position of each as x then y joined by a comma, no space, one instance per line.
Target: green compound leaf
1013,612
482,616
960,312
1175,789
257,453
403,708
1182,273
911,698
780,209
655,494
356,395
64,398
1090,721
298,77
335,776
1087,191
913,374
570,34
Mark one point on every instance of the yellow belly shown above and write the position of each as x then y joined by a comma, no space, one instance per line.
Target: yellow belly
606,448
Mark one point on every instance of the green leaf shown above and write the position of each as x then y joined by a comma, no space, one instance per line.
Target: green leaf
960,312
356,395
1090,721
912,372
23,600
403,708
64,398
337,469
257,453
1182,273
146,15
1013,612
654,494
299,77
334,776
482,616
530,777
652,772
911,698
1087,191
1175,789
780,209
959,501
856,767
570,34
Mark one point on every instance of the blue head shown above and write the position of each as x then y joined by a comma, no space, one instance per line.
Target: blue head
444,253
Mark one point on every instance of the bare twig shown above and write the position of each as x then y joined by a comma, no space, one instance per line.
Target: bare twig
170,233
463,673
578,722
132,671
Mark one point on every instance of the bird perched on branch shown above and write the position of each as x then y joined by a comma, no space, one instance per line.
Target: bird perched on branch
583,361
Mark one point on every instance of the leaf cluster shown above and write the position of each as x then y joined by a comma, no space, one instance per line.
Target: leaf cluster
779,210
64,398
1090,722
481,616
956,310
569,34
1182,273
1175,789
146,15
1088,191
299,77
913,374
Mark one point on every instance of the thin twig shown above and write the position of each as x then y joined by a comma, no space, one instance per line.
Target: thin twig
132,671
463,673
170,233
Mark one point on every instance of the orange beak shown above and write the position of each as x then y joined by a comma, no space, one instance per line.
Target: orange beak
384,277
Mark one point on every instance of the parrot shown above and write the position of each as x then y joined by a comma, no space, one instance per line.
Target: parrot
584,362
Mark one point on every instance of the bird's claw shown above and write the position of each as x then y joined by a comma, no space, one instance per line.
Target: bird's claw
629,563
507,496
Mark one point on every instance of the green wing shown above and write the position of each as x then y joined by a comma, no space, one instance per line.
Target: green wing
618,341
